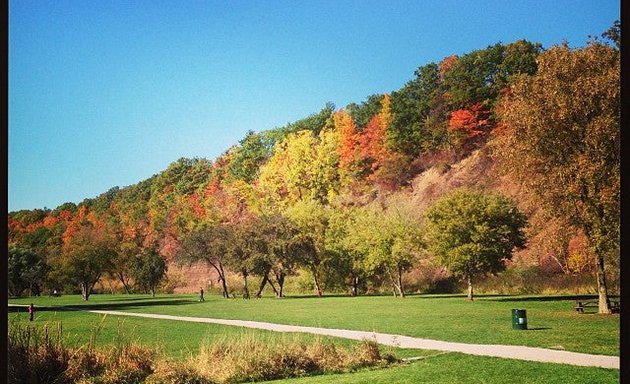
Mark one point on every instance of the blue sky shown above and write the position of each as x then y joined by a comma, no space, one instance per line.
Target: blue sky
107,93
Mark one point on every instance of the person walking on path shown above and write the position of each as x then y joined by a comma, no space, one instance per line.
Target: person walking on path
31,312
201,295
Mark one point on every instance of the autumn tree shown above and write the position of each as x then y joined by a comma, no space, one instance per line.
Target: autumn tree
469,126
561,139
87,256
326,182
474,234
348,148
287,176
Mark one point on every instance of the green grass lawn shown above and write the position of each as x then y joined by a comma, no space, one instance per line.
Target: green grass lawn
553,323
456,368
178,339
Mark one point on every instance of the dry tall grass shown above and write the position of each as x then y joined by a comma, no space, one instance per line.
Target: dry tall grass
38,355
253,358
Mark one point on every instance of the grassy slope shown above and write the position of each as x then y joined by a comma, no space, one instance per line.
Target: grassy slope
552,321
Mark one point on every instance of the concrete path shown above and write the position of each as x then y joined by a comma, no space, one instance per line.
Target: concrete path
505,351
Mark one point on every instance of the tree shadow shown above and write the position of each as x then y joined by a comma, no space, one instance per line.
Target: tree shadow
87,306
547,298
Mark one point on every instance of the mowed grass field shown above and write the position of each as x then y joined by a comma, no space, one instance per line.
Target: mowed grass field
553,323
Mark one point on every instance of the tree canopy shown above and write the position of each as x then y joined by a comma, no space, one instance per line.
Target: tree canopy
474,234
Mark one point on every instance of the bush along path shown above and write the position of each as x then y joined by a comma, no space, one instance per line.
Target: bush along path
504,351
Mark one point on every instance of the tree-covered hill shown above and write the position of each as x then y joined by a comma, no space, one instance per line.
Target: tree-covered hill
306,197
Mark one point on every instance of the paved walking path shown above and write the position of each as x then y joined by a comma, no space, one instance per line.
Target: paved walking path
505,351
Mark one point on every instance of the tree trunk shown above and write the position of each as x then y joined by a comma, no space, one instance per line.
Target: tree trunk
602,287
470,288
221,273
280,278
400,283
152,292
318,289
262,285
393,282
85,291
121,277
245,287
273,287
355,286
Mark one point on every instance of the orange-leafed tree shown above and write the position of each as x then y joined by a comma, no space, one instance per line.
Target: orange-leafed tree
87,255
348,140
469,126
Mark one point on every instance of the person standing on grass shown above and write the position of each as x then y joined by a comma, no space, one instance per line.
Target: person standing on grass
31,312
201,295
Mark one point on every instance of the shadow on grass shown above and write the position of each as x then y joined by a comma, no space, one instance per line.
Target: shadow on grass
548,298
86,306
538,328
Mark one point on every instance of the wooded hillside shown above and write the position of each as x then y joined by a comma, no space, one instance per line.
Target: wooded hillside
339,197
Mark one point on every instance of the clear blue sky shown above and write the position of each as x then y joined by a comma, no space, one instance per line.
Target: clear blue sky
106,93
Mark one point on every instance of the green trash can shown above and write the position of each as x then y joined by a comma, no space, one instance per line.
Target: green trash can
519,319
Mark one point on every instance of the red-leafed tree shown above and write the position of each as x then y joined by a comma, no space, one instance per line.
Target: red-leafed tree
470,125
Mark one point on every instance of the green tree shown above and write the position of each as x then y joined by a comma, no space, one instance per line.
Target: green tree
362,113
350,259
314,122
284,242
389,240
411,106
26,270
122,263
561,139
247,158
246,250
479,75
473,234
148,268
310,248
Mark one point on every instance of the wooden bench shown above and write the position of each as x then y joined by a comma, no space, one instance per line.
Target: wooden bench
580,305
